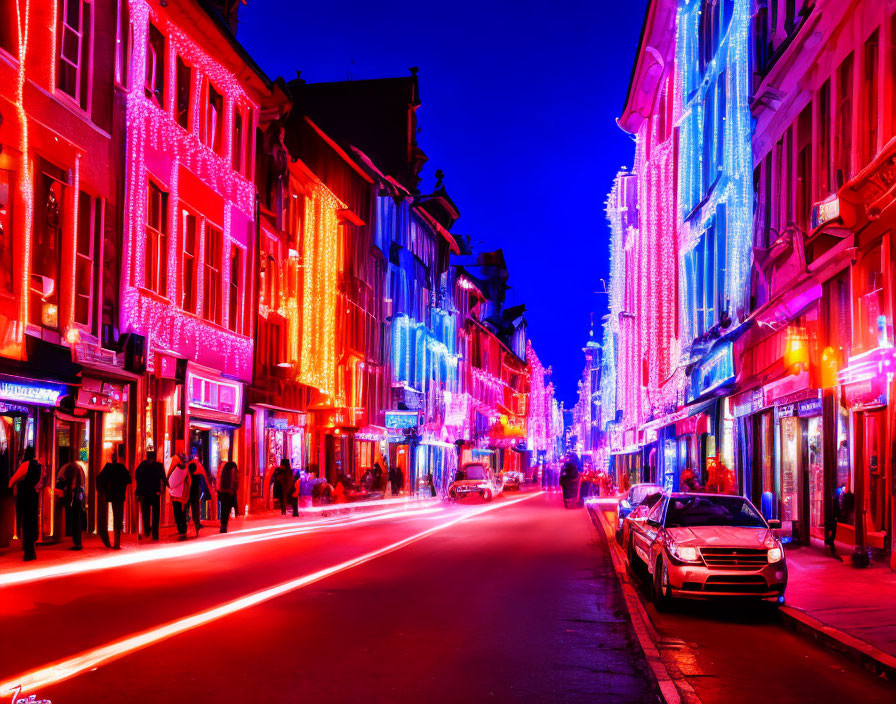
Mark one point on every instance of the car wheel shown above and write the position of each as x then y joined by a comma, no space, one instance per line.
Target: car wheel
662,596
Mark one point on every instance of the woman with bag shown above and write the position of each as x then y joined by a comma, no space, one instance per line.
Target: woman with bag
179,488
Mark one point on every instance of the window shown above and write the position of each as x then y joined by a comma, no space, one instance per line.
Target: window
123,41
6,191
189,228
89,223
184,87
869,99
803,168
73,76
211,294
721,110
9,28
214,119
156,262
235,317
824,141
237,143
708,141
154,84
709,32
46,245
843,136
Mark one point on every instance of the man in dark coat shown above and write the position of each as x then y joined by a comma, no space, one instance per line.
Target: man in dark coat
150,479
70,487
112,481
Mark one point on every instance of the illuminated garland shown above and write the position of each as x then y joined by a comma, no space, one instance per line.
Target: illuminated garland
27,180
165,325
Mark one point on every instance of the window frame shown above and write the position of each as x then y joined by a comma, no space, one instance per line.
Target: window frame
155,92
239,288
192,257
6,221
95,227
83,83
209,268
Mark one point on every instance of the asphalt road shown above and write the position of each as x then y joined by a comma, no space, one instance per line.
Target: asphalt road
520,604
741,653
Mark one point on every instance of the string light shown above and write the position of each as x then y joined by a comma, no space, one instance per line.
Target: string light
27,181
150,127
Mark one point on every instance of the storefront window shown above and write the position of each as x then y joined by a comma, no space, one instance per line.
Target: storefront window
873,326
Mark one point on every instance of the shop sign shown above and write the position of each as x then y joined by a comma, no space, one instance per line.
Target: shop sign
810,407
747,403
779,390
275,423
716,370
95,354
401,420
865,393
38,394
788,410
11,408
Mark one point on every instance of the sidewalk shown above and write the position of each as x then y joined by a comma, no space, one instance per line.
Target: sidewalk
60,553
852,610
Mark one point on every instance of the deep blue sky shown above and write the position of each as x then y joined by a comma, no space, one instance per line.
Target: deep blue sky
519,101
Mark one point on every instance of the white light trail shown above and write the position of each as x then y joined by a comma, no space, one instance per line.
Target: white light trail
216,542
90,659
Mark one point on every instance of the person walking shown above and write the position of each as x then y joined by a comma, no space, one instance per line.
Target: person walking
113,481
395,480
70,487
284,480
197,476
228,479
379,477
25,481
150,479
179,483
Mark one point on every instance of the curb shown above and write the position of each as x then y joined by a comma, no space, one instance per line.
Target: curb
646,634
871,658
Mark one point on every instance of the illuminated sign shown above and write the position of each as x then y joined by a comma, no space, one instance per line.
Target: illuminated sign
823,213
401,419
714,371
38,394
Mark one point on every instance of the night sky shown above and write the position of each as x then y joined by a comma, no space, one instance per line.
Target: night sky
519,101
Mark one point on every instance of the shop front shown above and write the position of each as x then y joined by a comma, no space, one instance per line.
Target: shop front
369,445
402,436
436,463
279,434
28,418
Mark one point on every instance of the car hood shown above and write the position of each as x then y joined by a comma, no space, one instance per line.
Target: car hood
720,536
470,482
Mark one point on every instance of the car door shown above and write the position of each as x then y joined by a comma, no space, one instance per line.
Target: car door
648,531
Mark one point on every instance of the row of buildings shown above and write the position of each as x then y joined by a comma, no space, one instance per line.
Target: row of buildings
750,328
196,258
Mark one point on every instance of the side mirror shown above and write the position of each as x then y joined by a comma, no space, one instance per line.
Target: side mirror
774,524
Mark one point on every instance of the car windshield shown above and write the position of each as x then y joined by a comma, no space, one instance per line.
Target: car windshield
691,511
639,493
474,471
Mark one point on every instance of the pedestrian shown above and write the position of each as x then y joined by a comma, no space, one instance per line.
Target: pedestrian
198,475
150,479
284,480
179,484
228,479
395,479
70,488
430,483
379,477
113,481
25,481
367,480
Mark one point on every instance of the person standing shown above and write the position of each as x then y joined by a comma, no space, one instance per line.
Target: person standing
379,477
179,484
228,478
70,487
395,480
197,475
25,481
113,481
284,480
150,479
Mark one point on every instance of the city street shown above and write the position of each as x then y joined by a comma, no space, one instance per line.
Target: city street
518,603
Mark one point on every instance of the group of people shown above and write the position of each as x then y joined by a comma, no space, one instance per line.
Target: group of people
291,489
184,481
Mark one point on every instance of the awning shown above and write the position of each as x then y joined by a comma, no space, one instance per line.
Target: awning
680,414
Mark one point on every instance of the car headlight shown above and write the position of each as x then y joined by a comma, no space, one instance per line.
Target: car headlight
684,553
775,555
625,504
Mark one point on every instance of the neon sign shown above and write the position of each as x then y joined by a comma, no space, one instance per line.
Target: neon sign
401,420
41,395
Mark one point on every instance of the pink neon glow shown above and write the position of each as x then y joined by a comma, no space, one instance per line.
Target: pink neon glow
71,667
217,542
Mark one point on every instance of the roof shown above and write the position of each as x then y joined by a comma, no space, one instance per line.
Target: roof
656,50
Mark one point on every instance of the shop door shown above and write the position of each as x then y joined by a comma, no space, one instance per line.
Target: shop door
874,466
12,447
791,446
814,475
72,443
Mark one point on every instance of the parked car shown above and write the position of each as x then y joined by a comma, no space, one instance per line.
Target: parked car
512,480
706,546
474,478
637,515
631,499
